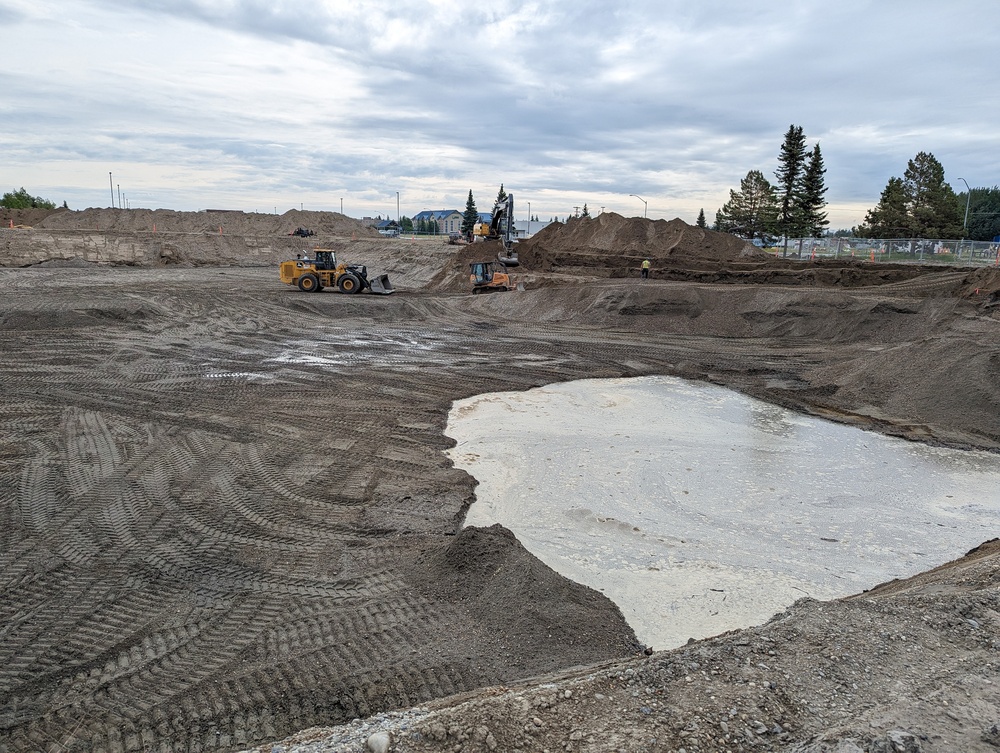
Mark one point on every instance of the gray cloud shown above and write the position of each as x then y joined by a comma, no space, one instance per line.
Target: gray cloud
254,102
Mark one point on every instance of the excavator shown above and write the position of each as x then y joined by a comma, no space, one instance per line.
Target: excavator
312,275
491,276
502,229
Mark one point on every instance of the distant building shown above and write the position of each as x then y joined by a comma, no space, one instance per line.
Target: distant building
526,229
387,227
448,220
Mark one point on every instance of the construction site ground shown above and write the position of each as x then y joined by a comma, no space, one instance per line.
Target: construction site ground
227,515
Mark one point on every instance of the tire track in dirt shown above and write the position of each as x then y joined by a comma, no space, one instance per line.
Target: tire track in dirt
222,505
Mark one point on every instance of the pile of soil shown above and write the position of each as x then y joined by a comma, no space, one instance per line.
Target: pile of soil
610,245
25,218
208,221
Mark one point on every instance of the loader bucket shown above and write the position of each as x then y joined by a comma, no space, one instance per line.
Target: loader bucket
380,285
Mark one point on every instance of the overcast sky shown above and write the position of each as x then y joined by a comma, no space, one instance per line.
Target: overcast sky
269,105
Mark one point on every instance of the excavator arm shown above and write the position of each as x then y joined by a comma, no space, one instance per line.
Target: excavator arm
502,228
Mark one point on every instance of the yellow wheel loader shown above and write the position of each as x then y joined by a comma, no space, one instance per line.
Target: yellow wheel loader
312,275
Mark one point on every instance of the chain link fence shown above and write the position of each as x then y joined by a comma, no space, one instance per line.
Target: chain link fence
895,250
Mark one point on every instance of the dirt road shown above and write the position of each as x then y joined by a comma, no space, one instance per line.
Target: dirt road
226,510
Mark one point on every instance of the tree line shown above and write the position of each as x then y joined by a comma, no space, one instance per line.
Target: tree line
21,199
918,205
922,205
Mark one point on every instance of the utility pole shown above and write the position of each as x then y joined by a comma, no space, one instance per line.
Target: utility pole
397,208
968,197
112,182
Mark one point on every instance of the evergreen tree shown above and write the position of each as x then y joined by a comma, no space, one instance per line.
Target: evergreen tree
888,219
752,212
984,212
931,205
918,205
700,222
791,167
471,215
501,195
406,224
422,225
586,212
811,204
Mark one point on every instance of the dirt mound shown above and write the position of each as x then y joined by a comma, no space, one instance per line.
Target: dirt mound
487,572
613,246
207,221
25,217
454,275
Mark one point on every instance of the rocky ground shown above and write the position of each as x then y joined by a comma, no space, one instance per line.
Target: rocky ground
226,513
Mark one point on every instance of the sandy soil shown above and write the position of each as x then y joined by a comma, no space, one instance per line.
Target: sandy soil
227,513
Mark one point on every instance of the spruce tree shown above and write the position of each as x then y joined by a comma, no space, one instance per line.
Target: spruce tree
586,212
751,212
501,195
811,201
791,165
471,215
700,222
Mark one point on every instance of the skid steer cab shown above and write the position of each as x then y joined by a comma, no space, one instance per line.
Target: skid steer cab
323,271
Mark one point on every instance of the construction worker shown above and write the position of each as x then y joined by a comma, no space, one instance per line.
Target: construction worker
645,269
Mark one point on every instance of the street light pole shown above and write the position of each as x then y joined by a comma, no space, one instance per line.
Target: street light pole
397,208
644,205
341,204
112,182
968,197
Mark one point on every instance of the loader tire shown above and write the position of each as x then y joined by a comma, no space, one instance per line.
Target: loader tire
309,283
348,283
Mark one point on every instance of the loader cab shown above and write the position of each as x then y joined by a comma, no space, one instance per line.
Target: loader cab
325,259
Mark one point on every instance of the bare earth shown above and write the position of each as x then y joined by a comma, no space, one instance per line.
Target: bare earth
226,513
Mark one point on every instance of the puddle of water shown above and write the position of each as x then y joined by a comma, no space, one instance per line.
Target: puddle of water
699,510
398,350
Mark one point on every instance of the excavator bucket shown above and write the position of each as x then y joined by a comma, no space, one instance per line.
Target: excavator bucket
508,258
380,285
